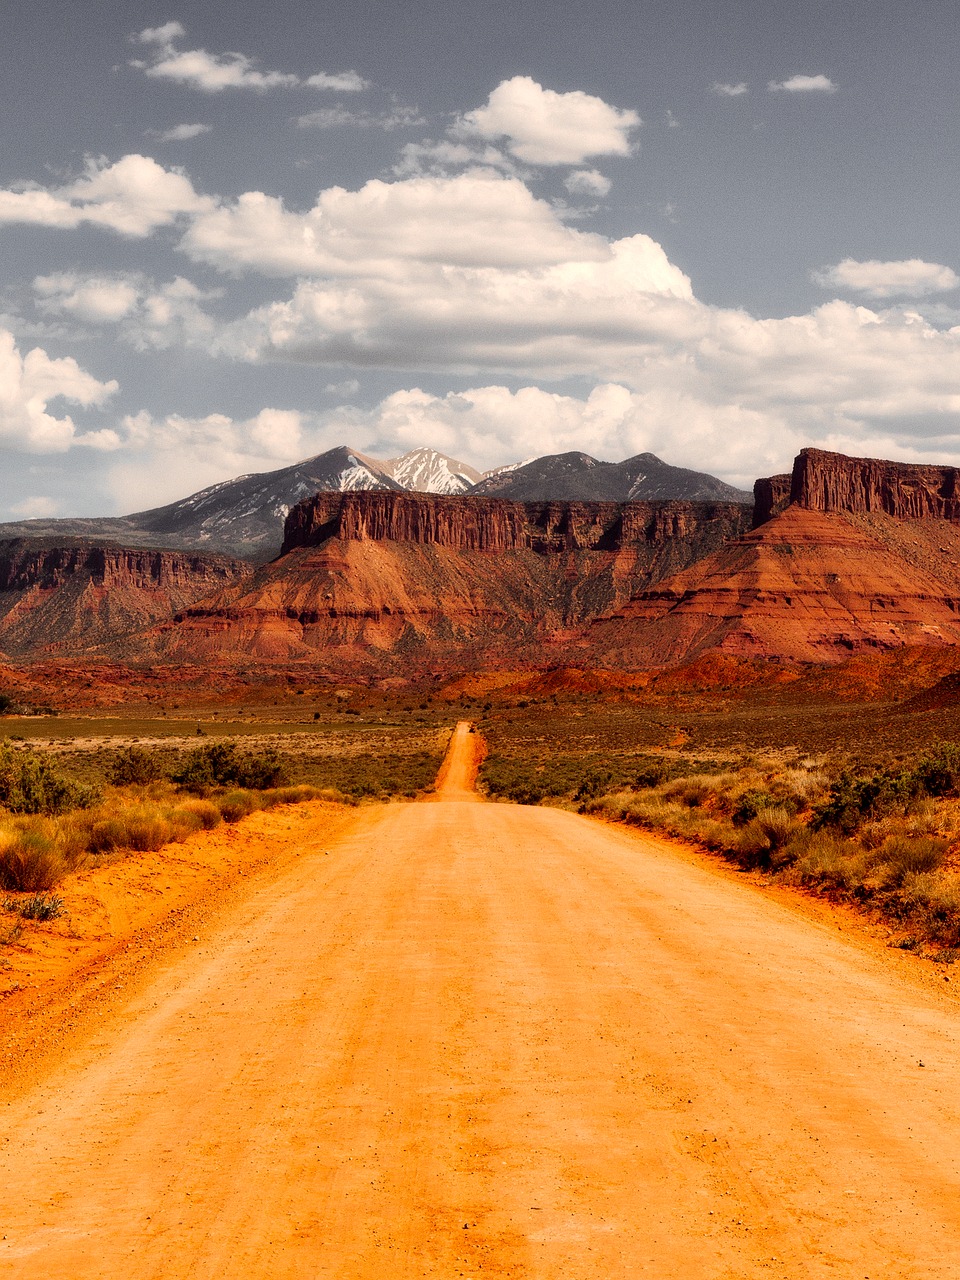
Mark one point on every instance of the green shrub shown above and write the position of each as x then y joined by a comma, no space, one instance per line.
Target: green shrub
135,767
29,783
221,764
237,804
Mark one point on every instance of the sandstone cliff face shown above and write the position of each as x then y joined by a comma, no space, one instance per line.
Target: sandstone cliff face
824,481
83,595
807,586
386,581
494,525
771,496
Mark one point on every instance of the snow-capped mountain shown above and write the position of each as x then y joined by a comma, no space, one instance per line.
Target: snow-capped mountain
240,517
425,470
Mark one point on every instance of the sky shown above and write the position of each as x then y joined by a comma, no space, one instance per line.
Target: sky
233,236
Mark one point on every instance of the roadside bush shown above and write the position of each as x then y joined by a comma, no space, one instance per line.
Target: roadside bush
135,767
764,841
221,765
30,783
237,804
204,812
30,862
900,857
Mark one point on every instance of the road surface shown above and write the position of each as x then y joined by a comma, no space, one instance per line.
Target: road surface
485,1040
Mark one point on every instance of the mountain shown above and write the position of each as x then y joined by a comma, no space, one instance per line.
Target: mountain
242,517
578,477
76,595
426,471
392,583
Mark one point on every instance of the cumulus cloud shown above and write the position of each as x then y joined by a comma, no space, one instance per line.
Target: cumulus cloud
215,72
28,383
730,90
540,126
911,277
181,132
154,316
167,456
133,197
392,231
587,182
803,84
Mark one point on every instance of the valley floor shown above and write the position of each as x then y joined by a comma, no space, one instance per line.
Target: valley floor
463,1039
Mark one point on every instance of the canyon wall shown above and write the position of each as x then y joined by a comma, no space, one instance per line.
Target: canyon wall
828,482
81,595
495,525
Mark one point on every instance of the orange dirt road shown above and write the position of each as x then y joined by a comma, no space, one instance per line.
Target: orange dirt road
475,1040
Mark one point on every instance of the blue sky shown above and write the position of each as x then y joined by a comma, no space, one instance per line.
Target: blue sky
230,238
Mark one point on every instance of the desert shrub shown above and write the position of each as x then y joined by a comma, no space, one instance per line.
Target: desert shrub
852,800
764,840
593,783
204,812
134,767
6,702
30,783
938,772
691,791
42,906
30,862
290,795
821,858
221,764
236,805
900,857
749,804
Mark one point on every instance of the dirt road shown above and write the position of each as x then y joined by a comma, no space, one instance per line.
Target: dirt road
483,1040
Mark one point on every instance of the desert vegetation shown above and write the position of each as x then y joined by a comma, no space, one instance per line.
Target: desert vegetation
885,837
137,799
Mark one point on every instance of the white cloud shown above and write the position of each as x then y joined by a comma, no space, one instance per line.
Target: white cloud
28,383
737,90
543,127
133,197
215,72
911,277
803,84
154,316
166,34
181,132
446,157
96,299
341,81
587,182
388,232
341,117
165,458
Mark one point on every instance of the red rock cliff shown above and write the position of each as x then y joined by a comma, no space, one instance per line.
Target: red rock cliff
826,482
491,524
25,564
